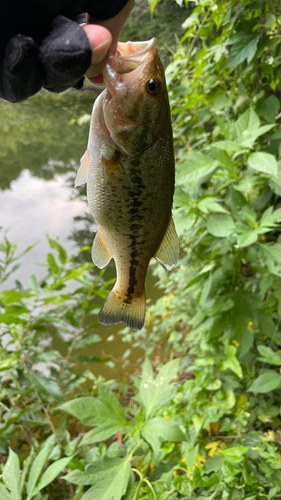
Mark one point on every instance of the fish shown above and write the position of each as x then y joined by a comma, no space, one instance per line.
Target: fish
129,169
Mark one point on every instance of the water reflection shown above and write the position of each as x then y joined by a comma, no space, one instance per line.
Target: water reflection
32,208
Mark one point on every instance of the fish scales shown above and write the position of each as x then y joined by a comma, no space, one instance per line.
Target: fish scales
129,169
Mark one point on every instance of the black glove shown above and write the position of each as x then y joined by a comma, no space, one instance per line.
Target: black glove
58,64
48,50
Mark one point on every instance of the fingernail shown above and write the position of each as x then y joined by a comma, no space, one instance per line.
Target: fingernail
100,52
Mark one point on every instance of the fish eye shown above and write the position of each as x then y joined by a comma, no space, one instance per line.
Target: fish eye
152,86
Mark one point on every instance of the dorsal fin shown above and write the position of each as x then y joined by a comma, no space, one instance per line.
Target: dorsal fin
82,174
168,252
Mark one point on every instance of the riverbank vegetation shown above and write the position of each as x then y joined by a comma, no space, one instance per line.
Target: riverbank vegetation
201,418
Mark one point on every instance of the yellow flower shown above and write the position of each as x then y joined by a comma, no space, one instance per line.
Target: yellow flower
213,448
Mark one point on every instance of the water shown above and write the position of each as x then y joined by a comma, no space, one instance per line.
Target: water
41,143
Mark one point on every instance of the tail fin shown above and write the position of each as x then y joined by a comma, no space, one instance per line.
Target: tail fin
118,309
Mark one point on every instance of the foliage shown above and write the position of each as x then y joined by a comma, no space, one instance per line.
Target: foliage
202,420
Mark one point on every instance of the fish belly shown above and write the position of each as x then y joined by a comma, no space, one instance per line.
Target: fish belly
131,201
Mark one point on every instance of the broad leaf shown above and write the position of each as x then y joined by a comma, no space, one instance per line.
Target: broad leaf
109,479
9,361
263,162
244,50
269,356
10,297
38,466
232,362
235,454
155,392
220,225
11,475
108,415
4,494
195,167
159,429
52,472
45,385
266,382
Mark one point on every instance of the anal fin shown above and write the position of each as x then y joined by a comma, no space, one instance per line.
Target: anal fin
100,252
168,252
82,174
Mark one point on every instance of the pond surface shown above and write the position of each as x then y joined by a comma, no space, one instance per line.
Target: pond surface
41,142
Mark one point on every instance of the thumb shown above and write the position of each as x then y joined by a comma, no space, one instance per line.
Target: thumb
100,40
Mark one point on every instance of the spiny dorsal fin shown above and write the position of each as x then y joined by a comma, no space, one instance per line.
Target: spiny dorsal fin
100,252
82,174
168,253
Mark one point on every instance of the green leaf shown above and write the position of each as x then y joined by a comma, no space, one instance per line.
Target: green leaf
244,50
210,204
108,415
9,362
190,455
11,475
33,284
89,359
102,432
248,121
220,225
52,263
267,108
26,466
110,479
270,217
235,454
45,385
10,297
155,392
272,254
263,162
247,237
162,430
266,382
269,356
223,157
232,362
90,339
4,494
195,167
56,246
52,472
214,463
38,465
244,312
228,146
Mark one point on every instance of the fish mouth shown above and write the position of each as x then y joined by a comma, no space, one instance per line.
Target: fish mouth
126,65
131,55
128,62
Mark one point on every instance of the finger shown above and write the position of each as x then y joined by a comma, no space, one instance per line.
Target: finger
114,24
100,40
65,54
21,75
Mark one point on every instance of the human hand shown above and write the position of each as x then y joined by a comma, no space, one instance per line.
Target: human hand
53,54
107,33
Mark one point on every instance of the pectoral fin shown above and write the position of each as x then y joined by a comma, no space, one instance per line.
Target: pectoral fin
168,253
100,252
82,174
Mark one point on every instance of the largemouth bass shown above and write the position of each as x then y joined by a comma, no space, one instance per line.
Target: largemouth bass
130,175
